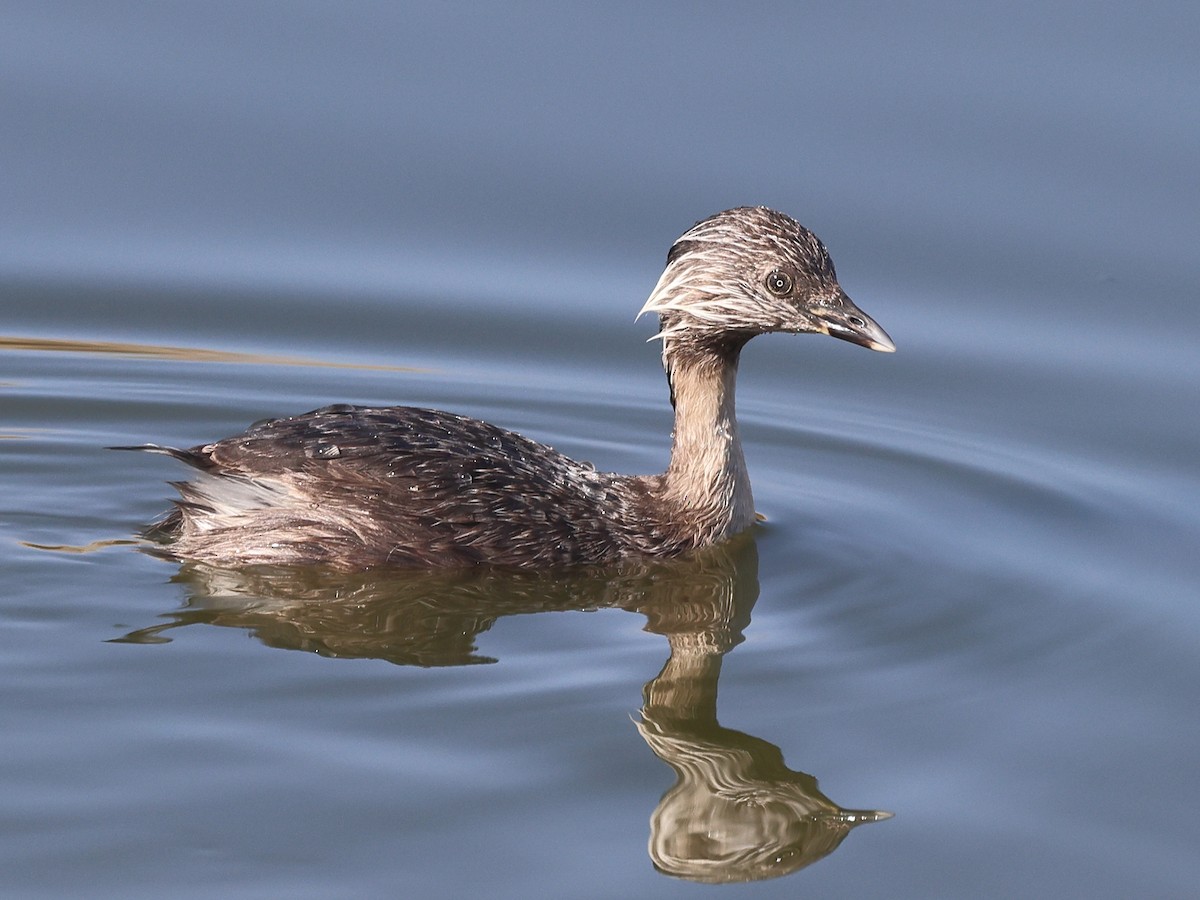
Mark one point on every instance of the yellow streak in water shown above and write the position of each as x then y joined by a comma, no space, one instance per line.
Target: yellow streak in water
82,548
186,354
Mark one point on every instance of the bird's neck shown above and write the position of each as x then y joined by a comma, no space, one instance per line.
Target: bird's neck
707,477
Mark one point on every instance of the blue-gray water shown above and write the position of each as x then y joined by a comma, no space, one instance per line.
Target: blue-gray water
974,602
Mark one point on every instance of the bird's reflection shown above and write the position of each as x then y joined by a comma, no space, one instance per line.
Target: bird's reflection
736,811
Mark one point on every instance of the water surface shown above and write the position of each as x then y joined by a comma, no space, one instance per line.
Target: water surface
972,602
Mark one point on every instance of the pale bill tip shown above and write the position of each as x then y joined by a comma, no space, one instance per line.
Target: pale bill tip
883,346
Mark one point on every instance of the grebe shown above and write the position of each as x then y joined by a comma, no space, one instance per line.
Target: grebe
354,487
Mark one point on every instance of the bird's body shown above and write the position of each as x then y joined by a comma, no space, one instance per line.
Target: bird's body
353,487
399,486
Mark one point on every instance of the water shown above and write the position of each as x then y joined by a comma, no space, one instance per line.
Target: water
973,601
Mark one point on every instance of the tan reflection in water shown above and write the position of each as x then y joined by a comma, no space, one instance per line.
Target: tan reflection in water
185,354
736,811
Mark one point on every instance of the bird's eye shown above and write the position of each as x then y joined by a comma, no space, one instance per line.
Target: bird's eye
779,283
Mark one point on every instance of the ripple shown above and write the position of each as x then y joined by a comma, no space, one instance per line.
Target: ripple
935,560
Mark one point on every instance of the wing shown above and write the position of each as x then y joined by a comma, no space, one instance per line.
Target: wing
399,485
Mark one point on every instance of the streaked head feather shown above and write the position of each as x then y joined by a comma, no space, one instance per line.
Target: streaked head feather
713,284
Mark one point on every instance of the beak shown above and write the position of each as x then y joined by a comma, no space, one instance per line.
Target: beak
849,323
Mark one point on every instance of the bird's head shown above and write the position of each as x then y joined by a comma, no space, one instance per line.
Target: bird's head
748,271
